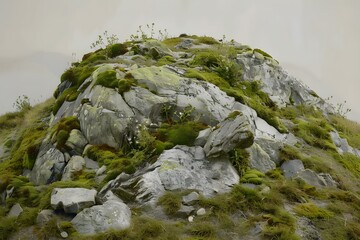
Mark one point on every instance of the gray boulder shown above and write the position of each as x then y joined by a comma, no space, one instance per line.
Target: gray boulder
230,134
311,178
342,144
76,141
44,216
180,168
102,126
259,159
15,210
292,167
202,137
75,165
48,165
72,200
91,164
190,198
111,215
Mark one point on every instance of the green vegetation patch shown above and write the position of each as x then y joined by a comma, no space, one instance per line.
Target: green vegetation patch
170,202
350,162
166,60
179,134
61,131
116,49
253,176
347,129
316,133
311,211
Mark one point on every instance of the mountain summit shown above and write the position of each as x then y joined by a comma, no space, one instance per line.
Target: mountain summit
179,138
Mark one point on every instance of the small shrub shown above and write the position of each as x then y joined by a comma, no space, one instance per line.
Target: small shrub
311,211
170,202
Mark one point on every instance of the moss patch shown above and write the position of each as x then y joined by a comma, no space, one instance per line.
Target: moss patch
311,211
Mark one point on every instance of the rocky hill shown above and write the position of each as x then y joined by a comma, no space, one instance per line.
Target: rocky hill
183,138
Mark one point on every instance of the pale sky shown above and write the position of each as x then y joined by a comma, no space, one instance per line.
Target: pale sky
316,41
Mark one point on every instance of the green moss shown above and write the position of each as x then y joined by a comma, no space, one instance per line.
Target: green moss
180,134
125,85
170,202
253,176
311,211
107,79
172,42
205,40
166,60
263,53
210,77
233,115
116,49
61,131
61,138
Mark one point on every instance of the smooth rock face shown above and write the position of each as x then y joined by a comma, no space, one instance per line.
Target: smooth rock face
259,159
230,134
47,166
15,210
76,164
76,141
111,215
102,126
72,200
91,164
145,102
292,167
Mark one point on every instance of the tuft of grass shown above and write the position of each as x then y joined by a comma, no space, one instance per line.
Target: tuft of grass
350,162
202,229
205,40
288,152
315,132
170,202
7,227
347,129
312,211
263,53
